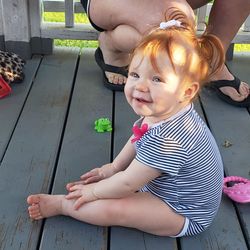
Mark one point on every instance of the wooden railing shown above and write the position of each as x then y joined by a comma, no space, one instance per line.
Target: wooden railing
23,30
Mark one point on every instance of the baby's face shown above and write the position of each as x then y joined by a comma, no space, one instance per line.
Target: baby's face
154,93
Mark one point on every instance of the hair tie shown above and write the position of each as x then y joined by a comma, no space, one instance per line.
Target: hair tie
171,23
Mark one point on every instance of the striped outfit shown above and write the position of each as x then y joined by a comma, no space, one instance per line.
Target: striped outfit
184,150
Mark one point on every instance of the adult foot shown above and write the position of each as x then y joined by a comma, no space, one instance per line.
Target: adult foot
244,89
44,205
119,62
114,58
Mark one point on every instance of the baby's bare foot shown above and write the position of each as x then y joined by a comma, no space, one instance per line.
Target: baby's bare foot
44,205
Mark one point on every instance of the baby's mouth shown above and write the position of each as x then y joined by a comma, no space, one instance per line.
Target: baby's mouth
142,100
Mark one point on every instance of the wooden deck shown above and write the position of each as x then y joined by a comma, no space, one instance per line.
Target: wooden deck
47,139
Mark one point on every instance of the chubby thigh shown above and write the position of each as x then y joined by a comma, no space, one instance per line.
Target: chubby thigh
141,210
143,15
148,213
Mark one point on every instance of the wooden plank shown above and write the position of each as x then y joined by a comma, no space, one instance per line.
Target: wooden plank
246,25
11,106
242,37
241,165
217,236
58,31
232,124
82,149
28,164
126,238
224,233
59,6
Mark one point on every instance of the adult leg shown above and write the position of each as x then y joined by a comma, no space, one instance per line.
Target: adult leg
143,211
226,26
195,4
125,21
116,46
225,19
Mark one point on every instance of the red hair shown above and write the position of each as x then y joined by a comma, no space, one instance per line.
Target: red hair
202,56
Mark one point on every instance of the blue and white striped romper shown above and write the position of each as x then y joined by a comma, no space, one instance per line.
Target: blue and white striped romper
184,150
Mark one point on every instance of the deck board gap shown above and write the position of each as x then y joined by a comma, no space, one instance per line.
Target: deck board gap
112,156
21,110
64,125
204,112
244,233
178,243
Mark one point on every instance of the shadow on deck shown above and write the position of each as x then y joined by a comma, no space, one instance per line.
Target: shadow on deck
47,139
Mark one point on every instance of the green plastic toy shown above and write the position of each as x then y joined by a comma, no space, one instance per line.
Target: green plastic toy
103,125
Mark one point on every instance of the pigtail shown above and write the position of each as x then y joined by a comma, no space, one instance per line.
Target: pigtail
212,51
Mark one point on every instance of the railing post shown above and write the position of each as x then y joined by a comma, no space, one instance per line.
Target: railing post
39,45
69,13
246,26
2,46
201,18
16,27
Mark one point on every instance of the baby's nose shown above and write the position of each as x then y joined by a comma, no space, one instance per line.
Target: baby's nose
142,86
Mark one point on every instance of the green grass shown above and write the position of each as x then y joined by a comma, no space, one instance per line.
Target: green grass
82,18
242,47
79,18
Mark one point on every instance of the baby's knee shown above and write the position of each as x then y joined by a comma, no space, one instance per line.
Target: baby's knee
116,211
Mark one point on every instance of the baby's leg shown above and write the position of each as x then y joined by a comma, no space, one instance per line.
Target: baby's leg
142,211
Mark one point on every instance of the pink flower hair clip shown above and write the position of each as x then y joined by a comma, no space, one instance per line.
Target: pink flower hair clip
139,132
240,191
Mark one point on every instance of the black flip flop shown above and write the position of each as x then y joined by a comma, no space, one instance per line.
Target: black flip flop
110,68
235,83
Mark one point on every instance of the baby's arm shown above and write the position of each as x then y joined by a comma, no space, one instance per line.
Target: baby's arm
119,185
125,157
126,182
121,162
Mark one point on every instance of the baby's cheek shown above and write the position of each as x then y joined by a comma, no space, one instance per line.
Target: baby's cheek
128,92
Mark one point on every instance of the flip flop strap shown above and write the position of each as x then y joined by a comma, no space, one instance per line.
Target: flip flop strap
115,69
107,67
227,83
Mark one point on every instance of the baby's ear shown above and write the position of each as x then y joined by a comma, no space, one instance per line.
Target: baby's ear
191,89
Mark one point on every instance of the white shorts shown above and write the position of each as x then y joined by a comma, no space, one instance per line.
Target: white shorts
184,229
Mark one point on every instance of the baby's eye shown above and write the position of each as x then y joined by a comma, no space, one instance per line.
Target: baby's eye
133,74
157,79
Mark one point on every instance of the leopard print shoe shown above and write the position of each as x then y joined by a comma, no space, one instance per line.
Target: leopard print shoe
11,67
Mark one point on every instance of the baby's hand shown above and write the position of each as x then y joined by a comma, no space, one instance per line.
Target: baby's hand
94,175
82,194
